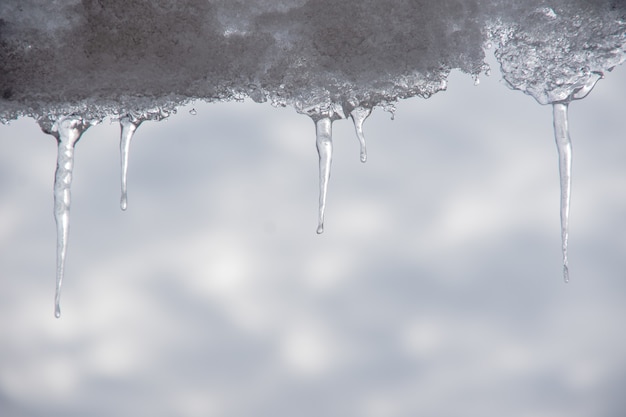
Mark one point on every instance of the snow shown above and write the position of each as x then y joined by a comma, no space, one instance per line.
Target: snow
111,58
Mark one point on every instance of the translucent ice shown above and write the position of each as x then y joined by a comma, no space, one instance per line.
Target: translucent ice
67,131
128,126
359,114
324,142
564,146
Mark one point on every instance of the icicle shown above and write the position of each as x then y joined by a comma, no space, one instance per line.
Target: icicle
128,126
67,131
359,114
323,131
564,146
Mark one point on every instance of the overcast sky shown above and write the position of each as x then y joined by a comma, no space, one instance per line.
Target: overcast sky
435,290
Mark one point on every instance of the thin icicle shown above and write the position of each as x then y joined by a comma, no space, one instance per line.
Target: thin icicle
128,127
564,146
323,131
359,114
67,131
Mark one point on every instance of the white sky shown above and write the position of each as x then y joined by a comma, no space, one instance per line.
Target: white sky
435,290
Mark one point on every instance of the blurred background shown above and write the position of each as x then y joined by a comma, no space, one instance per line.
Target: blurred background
435,290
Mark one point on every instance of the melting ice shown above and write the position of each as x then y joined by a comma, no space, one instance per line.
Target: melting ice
324,142
128,127
67,131
71,62
564,147
359,114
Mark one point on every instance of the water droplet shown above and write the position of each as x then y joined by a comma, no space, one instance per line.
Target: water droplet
193,112
67,131
324,142
564,146
128,127
359,114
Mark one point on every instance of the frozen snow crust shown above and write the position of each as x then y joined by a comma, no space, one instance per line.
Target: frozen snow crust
143,58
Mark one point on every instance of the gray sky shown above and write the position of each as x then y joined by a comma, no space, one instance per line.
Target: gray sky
435,290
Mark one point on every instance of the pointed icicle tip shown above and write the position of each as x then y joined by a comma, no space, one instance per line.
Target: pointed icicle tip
358,115
324,142
564,147
67,131
128,127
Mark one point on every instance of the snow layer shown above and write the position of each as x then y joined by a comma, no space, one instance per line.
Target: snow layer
100,58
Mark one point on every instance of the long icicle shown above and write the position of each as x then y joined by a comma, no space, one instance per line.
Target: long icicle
128,127
324,141
359,114
564,146
67,131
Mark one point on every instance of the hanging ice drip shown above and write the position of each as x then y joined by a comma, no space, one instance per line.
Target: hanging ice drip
128,126
67,131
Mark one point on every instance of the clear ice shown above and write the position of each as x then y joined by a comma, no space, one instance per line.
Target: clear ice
358,115
128,126
324,142
564,146
67,131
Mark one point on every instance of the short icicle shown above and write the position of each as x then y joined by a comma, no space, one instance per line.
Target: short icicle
564,146
323,131
128,127
67,131
359,114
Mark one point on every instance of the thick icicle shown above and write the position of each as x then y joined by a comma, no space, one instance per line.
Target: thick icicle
128,126
67,131
359,114
564,146
323,131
